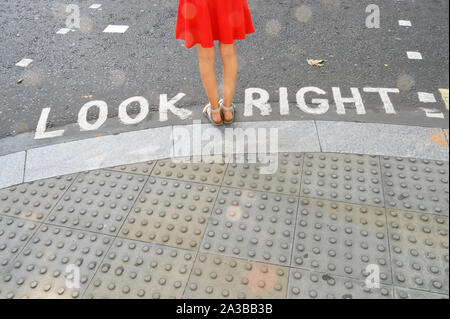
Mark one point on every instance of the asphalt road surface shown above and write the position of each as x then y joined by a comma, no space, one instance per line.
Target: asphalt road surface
86,64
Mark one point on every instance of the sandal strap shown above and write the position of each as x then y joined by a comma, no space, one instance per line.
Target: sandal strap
228,108
208,109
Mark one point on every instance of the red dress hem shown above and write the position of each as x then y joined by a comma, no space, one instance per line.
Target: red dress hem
206,21
211,45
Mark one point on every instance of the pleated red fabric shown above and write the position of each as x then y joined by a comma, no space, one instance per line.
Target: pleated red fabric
204,21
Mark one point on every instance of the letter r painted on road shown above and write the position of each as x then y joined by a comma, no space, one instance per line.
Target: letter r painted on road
262,102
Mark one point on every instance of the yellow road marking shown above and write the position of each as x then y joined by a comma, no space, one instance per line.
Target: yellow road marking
444,93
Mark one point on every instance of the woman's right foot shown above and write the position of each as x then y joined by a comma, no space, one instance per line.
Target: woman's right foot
213,114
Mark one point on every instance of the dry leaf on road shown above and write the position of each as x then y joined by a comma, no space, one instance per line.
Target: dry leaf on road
313,62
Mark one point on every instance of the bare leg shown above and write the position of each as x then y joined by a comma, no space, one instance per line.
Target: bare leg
206,59
230,70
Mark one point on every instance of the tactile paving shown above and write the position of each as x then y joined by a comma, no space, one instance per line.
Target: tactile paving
14,234
170,212
135,269
247,175
343,177
404,293
341,239
218,277
419,250
186,169
98,201
34,200
252,225
43,268
304,284
138,168
416,185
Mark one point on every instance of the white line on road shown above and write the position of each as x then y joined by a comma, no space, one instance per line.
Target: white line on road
426,97
95,6
404,23
64,31
413,55
116,29
24,63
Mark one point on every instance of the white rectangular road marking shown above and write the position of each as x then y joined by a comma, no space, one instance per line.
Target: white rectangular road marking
24,63
404,23
433,113
413,55
116,29
95,6
426,97
64,31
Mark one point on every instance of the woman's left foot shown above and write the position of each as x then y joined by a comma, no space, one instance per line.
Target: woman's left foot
228,113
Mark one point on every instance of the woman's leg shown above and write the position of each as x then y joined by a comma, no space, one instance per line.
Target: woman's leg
207,59
230,70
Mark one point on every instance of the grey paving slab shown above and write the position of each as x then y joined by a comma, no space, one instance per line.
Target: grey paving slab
14,234
34,200
419,250
293,136
135,269
404,293
12,169
252,225
52,262
343,177
279,173
219,277
246,137
304,284
170,212
341,239
99,152
415,184
138,168
98,201
380,139
192,169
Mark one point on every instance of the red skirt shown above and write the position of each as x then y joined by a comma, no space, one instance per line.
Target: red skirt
204,21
